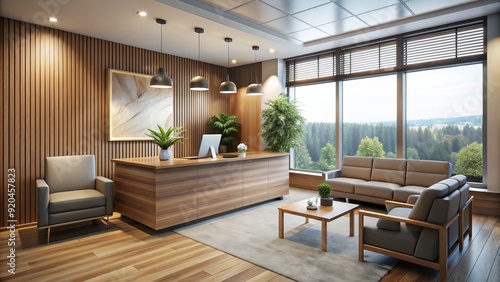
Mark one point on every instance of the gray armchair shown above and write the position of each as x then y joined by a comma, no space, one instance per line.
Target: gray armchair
424,230
71,192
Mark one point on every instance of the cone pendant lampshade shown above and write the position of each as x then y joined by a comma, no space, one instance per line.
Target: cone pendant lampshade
161,80
198,83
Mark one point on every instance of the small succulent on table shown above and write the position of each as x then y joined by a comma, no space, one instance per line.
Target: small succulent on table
312,204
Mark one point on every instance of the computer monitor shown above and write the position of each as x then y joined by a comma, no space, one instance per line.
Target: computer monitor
209,146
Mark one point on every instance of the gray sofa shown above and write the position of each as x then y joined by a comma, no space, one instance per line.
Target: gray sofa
376,180
423,231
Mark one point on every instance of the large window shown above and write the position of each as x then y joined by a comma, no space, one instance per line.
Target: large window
445,117
317,151
370,106
417,95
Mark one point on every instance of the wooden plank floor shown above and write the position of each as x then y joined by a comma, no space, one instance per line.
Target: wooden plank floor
131,252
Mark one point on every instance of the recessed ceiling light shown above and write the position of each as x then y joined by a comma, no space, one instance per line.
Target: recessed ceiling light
53,19
271,50
142,13
234,61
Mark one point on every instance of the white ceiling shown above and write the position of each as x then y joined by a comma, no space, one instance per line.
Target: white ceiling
291,27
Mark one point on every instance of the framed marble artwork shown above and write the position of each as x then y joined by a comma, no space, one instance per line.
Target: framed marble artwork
134,106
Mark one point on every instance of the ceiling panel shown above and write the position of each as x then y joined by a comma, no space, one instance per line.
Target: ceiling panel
292,7
323,14
359,7
308,34
344,25
258,12
423,6
287,25
385,15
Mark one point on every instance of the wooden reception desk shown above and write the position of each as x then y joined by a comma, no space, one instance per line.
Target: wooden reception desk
161,194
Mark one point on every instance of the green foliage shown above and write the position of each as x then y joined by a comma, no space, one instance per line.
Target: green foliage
166,138
226,125
302,158
412,153
324,190
327,159
370,148
470,160
283,126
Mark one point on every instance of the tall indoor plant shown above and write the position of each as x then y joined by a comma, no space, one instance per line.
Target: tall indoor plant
283,125
165,139
227,126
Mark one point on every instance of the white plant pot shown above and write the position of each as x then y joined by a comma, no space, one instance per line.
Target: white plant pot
165,154
242,155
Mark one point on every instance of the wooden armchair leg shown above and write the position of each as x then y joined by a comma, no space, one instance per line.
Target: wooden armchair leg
360,243
48,235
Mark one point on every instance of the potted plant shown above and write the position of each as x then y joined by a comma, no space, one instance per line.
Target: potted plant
324,191
165,139
283,126
227,126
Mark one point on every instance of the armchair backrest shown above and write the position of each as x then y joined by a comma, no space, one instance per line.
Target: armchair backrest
357,167
389,170
66,173
425,173
422,207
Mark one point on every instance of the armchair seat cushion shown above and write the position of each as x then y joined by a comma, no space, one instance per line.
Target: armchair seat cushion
402,194
403,241
75,200
344,184
377,189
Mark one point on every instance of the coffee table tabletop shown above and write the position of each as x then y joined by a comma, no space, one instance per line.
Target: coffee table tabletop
324,214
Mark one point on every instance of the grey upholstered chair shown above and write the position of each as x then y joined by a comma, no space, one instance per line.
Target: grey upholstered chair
71,192
424,232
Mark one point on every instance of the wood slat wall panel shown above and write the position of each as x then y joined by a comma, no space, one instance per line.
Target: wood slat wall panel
54,102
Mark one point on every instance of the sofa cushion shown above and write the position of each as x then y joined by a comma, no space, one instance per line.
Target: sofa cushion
403,241
357,167
425,173
393,225
389,170
344,184
402,194
383,190
442,211
65,173
75,200
422,207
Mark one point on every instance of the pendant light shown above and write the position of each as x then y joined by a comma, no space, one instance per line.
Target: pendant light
198,83
227,87
255,89
161,80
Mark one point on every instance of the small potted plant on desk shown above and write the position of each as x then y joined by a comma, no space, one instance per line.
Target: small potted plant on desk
242,150
325,191
165,139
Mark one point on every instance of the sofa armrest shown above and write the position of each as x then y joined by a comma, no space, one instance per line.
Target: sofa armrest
106,186
331,174
42,193
363,213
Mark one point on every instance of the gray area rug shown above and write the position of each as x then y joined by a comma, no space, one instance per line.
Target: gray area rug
252,234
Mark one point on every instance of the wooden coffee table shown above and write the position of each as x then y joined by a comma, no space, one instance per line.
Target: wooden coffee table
324,214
